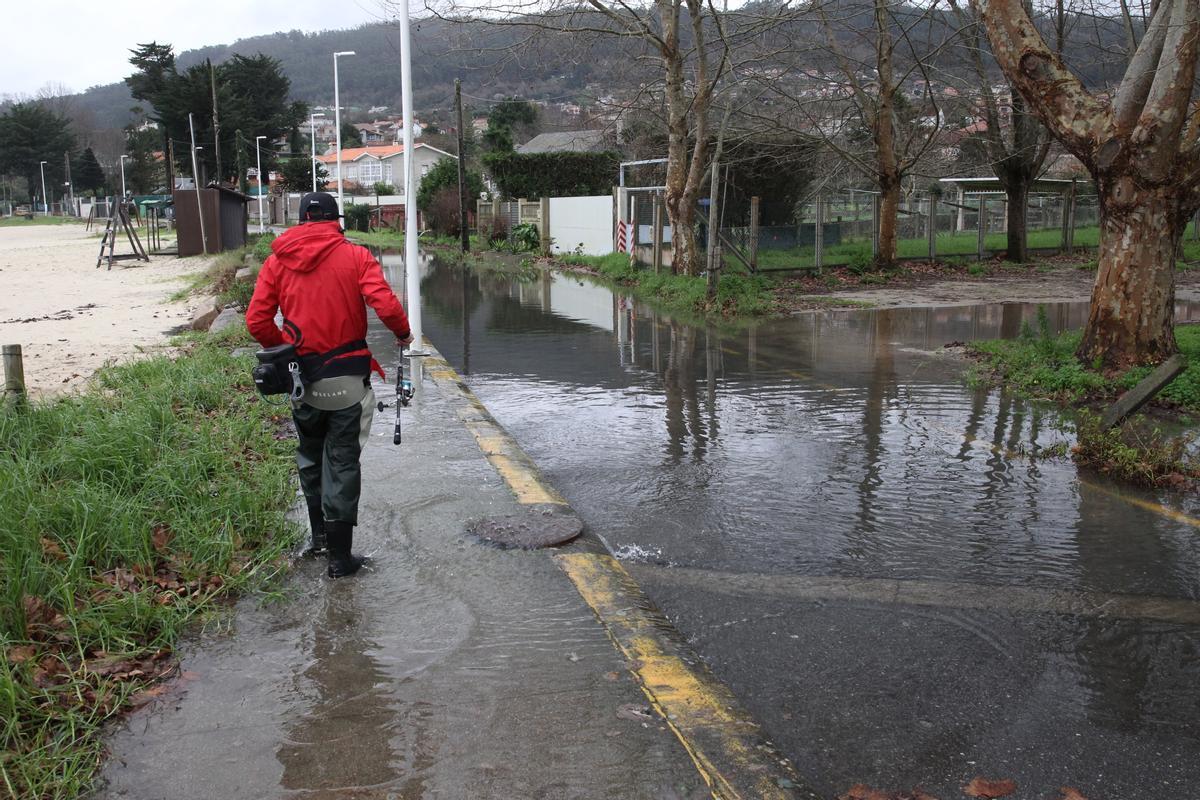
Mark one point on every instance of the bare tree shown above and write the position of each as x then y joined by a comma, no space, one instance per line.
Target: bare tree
685,51
1142,147
870,95
1017,150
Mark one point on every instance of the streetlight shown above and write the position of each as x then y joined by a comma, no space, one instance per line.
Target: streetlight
45,199
412,267
312,127
123,192
258,161
337,122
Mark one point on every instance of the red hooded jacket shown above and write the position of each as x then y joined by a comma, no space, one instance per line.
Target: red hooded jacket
320,282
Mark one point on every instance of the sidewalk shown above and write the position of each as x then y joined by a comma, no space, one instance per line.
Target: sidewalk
451,668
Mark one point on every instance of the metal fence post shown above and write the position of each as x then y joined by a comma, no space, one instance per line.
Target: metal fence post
875,226
932,232
544,224
819,235
981,233
14,373
754,218
656,237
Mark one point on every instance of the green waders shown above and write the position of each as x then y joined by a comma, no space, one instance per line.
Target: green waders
328,460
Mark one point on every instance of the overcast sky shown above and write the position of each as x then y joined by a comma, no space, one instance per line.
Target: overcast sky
82,44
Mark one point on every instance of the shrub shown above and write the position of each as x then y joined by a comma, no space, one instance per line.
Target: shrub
358,217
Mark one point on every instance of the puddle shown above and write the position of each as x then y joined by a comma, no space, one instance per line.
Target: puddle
839,446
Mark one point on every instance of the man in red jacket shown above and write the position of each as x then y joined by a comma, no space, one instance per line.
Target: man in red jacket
319,281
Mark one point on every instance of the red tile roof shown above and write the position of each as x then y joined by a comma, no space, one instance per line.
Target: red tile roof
351,153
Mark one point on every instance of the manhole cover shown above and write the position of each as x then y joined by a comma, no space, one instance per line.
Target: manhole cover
528,531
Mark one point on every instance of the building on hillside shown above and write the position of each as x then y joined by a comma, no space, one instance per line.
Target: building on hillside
363,167
568,142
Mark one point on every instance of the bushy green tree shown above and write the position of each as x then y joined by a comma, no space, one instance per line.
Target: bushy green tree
143,170
87,173
31,133
350,136
509,119
251,93
296,175
445,174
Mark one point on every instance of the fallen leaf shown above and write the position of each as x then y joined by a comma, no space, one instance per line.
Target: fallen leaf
989,789
21,653
861,791
160,538
635,712
612,676
1069,793
52,548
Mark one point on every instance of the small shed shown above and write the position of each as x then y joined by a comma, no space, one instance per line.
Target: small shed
225,220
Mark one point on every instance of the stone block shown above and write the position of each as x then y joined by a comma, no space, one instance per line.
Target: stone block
205,313
228,318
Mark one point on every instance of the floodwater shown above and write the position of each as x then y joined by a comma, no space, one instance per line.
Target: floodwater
866,550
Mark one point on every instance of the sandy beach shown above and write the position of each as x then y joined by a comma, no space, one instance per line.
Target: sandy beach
71,318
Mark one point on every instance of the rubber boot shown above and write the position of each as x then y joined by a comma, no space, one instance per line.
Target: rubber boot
316,521
341,561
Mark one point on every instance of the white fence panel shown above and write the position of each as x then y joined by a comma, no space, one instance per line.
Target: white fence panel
582,222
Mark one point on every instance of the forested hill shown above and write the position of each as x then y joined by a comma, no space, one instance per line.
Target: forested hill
441,52
496,62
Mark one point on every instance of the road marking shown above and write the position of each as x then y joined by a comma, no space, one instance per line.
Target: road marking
949,594
726,745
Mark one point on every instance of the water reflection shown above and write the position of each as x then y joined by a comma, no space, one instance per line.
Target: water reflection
838,447
343,738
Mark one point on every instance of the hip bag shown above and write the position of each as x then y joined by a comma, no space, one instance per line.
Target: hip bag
278,371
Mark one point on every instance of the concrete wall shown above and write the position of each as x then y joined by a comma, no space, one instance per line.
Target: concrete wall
585,221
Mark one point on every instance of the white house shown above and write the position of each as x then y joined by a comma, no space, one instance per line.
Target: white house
366,166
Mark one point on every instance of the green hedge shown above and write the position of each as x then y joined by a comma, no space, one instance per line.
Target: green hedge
536,175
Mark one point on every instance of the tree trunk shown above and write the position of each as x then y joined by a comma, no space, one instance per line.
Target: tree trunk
1017,192
889,211
1133,302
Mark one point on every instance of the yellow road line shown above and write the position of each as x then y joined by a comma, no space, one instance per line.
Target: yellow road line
725,744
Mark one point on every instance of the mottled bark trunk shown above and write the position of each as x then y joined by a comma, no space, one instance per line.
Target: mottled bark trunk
1017,193
1133,302
889,212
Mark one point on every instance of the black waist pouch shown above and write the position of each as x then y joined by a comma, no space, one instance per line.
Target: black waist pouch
278,371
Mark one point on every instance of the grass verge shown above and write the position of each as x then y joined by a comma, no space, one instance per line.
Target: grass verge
389,239
1039,364
39,219
130,510
737,294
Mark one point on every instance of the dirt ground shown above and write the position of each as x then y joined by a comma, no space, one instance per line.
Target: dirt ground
937,285
71,318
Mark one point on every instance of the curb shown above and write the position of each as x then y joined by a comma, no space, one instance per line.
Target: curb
724,742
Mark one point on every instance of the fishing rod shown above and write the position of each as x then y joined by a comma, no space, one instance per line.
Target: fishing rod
404,394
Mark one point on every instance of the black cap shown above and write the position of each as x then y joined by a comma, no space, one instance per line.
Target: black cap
318,207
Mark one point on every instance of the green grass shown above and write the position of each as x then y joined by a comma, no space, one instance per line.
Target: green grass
39,219
737,294
1040,365
217,279
959,244
389,239
167,469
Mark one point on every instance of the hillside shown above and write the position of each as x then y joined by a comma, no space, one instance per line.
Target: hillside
495,62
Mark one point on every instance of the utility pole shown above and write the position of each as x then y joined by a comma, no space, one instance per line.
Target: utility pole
70,186
243,185
212,74
462,172
196,183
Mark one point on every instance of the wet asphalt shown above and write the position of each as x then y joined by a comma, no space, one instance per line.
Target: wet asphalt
448,669
876,557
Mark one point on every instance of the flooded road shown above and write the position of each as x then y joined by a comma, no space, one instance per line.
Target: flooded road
862,547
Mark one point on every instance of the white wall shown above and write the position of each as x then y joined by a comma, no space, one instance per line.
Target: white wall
582,220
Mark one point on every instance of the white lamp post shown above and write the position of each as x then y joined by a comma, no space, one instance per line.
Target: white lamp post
337,122
312,129
412,266
258,161
123,157
45,199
